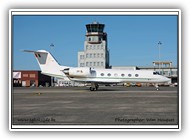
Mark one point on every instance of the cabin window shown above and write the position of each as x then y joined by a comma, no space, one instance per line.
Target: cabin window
115,74
122,75
102,74
129,75
109,74
136,75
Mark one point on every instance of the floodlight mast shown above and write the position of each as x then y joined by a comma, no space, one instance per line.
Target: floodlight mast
52,78
159,44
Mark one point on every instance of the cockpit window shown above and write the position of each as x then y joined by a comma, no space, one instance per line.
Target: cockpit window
156,73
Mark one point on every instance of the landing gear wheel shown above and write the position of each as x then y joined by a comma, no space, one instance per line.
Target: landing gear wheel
92,89
157,87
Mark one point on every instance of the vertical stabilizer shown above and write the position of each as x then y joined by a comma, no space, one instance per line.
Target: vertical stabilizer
48,64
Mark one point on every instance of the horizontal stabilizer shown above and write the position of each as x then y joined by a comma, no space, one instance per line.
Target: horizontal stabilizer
39,51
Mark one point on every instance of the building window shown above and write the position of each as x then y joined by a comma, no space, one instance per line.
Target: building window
87,47
102,74
102,64
122,75
98,47
81,56
94,63
94,55
102,55
25,75
109,74
102,47
129,75
90,55
136,75
98,63
86,63
32,75
87,55
98,55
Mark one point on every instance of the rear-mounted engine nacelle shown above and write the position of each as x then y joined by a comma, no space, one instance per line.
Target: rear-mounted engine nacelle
77,72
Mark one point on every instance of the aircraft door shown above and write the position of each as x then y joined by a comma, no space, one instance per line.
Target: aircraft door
93,73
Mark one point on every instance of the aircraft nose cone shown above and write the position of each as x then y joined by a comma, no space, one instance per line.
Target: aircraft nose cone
167,79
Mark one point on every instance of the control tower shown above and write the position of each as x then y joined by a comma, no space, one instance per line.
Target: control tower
95,52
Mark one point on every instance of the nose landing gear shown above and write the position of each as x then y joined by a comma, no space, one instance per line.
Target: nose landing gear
157,87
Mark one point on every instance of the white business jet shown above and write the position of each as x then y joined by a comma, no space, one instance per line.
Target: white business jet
49,66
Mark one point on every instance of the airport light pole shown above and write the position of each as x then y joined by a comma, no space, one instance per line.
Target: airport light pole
52,78
159,44
51,46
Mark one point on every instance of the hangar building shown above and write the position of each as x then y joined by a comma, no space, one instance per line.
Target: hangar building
27,78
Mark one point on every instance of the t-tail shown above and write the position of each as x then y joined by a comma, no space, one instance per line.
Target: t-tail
48,64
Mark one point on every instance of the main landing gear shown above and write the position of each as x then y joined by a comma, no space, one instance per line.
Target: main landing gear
94,87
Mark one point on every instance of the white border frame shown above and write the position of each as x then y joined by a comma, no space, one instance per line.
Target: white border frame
13,12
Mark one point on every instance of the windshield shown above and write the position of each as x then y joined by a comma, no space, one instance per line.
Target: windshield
156,73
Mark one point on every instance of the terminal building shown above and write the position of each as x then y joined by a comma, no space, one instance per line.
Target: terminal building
96,53
165,68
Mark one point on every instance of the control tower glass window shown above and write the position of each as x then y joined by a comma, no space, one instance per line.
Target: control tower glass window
95,27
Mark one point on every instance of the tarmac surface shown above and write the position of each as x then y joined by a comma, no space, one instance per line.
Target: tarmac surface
107,106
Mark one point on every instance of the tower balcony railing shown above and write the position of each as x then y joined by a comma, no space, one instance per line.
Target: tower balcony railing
95,42
94,33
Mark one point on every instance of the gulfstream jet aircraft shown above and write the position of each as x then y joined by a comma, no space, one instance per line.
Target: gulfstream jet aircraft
49,66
